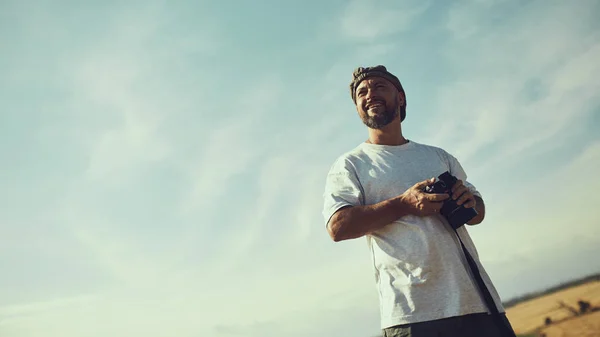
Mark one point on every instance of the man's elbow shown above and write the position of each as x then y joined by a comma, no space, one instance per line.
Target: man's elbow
340,226
335,228
334,232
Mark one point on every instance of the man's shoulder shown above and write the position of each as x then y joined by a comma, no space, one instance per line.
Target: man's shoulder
348,160
354,153
428,146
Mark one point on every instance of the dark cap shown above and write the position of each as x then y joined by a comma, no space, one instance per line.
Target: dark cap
362,73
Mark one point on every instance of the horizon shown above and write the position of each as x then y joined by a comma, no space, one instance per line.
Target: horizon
164,163
593,277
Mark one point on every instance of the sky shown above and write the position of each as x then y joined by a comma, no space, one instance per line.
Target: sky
163,163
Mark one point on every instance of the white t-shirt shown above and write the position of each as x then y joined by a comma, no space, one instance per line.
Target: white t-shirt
421,272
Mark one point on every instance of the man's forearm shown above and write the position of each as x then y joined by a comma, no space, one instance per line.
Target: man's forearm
480,208
354,222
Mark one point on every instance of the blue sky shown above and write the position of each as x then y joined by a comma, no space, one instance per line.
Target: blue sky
163,162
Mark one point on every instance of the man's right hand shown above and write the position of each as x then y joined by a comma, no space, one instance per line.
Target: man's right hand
419,202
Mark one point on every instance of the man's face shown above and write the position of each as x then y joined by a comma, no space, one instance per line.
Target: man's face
378,102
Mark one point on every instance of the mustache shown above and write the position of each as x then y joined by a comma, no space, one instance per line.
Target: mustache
375,101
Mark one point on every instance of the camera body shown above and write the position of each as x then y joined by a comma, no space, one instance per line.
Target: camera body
457,215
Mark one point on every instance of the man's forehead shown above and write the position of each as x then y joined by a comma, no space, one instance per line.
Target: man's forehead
373,80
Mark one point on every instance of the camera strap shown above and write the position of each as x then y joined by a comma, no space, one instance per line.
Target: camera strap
502,324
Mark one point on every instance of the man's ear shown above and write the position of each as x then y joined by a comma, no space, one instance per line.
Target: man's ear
401,98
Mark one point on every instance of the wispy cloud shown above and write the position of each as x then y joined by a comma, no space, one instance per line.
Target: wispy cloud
11,311
366,21
233,145
519,85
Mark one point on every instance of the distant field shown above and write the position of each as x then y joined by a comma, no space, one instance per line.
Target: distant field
584,326
528,316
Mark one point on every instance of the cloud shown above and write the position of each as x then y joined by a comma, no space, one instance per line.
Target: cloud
119,84
533,93
113,108
466,17
232,146
366,21
118,111
11,311
329,320
132,140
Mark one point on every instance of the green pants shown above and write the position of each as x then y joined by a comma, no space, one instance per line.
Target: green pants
475,325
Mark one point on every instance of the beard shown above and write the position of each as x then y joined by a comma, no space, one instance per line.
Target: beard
382,119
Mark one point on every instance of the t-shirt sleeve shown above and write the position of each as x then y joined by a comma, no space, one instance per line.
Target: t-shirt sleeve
342,188
457,170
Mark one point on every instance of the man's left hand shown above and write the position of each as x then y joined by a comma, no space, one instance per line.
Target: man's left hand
463,195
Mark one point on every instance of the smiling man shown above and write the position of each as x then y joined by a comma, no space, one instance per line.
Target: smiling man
428,285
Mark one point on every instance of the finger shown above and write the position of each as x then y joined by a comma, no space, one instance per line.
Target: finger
464,198
458,184
456,193
421,185
436,197
470,204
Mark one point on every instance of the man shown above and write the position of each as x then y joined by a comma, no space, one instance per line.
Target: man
424,279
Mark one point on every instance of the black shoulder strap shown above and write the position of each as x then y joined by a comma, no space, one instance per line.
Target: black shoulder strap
502,324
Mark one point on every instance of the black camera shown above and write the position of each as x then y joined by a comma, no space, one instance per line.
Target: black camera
457,215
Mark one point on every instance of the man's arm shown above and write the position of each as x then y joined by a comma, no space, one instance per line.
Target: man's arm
355,221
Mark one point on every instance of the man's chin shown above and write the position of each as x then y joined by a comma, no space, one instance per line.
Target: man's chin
376,111
376,124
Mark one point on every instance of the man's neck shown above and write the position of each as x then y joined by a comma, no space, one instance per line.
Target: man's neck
387,140
389,135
